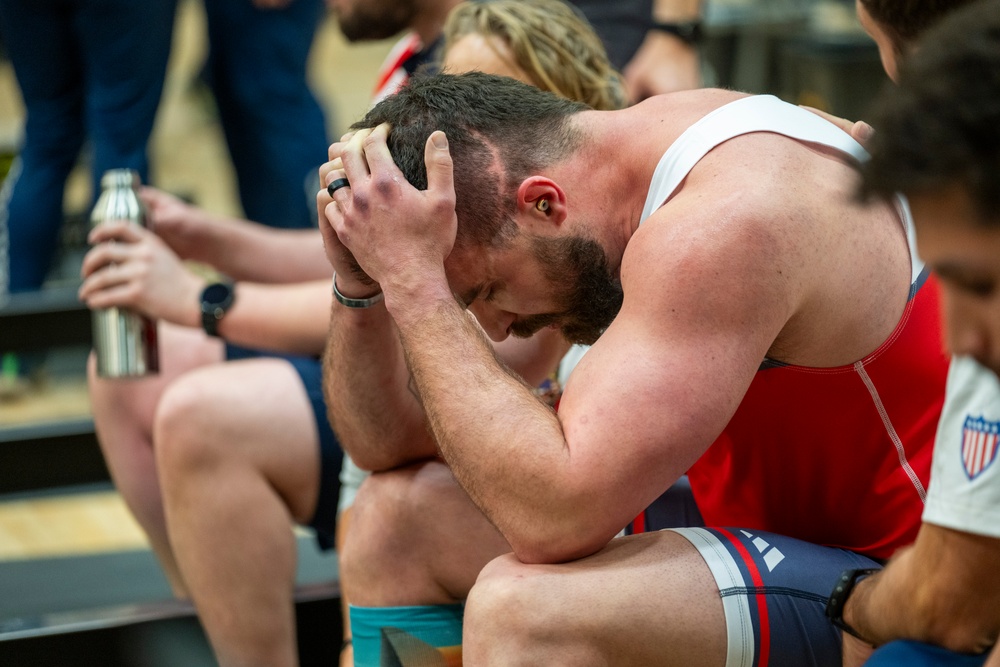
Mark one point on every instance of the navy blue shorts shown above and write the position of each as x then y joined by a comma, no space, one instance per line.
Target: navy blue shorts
774,591
310,370
774,588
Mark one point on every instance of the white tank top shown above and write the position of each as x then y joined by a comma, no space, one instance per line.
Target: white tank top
758,113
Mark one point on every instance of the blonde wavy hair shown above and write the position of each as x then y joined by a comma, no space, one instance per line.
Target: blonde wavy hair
550,41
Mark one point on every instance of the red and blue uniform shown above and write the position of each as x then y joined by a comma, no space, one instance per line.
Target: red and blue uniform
820,469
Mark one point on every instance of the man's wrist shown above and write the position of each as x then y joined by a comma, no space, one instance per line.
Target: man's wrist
356,302
688,32
845,599
215,301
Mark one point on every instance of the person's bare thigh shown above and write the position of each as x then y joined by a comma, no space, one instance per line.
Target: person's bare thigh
645,600
260,409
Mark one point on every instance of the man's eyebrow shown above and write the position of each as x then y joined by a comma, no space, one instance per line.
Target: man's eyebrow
468,297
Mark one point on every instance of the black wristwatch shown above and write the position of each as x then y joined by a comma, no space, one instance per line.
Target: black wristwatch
838,598
688,32
216,299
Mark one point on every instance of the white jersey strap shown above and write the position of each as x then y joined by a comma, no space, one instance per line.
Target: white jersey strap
758,113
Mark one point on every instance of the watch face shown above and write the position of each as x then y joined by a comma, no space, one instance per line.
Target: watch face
216,293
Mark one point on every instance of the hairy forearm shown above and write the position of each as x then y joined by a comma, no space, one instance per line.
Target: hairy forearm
931,592
505,447
369,392
290,319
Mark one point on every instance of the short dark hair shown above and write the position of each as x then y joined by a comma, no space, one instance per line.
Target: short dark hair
941,127
496,126
904,21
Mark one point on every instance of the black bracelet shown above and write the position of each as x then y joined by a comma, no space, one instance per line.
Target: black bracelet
688,32
838,598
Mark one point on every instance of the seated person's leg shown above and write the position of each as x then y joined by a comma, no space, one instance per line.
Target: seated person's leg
237,448
713,596
412,551
351,477
123,416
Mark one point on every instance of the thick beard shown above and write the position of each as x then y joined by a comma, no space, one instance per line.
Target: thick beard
370,21
590,295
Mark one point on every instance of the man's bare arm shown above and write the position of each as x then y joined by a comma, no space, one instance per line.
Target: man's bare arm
283,318
560,488
241,249
373,406
665,63
942,590
132,267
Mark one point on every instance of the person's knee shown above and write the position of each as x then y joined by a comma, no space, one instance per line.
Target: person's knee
181,428
381,520
388,527
506,608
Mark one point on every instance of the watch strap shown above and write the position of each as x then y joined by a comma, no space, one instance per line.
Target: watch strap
689,32
838,597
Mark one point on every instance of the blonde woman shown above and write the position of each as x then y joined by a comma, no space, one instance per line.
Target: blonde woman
546,43
416,542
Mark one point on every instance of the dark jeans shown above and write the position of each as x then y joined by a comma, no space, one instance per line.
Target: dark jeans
89,70
274,127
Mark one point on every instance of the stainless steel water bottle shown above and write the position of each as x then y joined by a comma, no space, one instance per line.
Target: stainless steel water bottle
124,341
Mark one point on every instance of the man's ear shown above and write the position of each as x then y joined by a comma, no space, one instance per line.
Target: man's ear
541,201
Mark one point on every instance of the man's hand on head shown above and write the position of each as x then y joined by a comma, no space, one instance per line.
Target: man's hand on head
399,235
351,279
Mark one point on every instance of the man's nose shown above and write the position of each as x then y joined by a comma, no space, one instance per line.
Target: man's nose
495,322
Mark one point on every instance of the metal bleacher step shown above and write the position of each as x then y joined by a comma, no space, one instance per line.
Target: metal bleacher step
47,454
50,447
43,319
115,608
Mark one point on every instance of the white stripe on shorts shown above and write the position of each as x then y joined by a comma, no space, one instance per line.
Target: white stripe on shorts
739,623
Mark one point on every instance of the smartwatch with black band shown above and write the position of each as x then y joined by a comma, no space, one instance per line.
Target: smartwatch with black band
838,598
688,32
216,299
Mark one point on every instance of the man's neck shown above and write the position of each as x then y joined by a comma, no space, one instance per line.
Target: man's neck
609,175
430,19
612,171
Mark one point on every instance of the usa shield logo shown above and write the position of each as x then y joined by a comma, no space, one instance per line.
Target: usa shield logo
979,445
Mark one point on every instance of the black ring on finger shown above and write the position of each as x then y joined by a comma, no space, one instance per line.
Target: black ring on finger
337,184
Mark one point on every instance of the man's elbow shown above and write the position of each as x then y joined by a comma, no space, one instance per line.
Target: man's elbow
380,460
558,544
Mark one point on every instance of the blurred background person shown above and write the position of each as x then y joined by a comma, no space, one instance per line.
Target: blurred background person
937,141
91,76
275,129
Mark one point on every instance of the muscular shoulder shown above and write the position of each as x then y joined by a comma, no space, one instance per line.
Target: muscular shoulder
779,241
708,264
